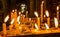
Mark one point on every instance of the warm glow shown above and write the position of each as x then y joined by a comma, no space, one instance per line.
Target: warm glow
47,27
12,10
44,16
56,22
42,2
57,7
47,13
12,21
20,27
26,11
19,13
6,19
36,14
36,26
18,18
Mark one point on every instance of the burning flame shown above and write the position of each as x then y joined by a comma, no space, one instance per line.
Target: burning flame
56,22
12,10
36,26
6,19
12,21
57,7
19,13
42,2
44,16
18,18
47,27
36,14
47,13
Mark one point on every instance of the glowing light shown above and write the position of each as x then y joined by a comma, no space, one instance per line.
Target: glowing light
57,7
47,13
6,19
42,2
12,21
36,26
47,27
12,10
18,18
56,22
36,14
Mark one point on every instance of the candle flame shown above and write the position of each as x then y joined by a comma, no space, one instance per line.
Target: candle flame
12,10
36,26
56,22
12,21
42,2
18,18
57,7
47,13
36,14
6,19
47,27
19,13
44,16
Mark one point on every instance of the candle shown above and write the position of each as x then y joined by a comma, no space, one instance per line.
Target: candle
56,22
12,14
58,12
42,11
48,18
15,17
10,26
26,14
38,19
4,25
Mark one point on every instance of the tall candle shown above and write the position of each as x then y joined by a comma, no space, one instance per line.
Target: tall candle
26,14
4,28
58,12
38,19
4,25
38,22
10,26
15,17
12,14
48,18
42,11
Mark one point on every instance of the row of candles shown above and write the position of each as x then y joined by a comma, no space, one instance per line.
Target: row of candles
17,20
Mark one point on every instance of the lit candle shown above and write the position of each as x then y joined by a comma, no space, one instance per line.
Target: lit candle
38,19
26,14
4,25
47,27
56,22
15,17
48,18
17,25
12,14
58,12
42,11
10,26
